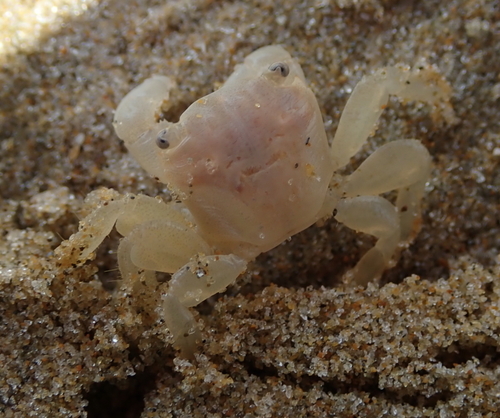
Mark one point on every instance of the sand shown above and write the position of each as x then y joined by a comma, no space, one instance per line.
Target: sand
288,339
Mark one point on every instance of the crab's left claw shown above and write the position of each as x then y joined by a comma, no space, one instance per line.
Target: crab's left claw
137,122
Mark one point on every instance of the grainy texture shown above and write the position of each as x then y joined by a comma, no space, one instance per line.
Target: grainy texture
407,347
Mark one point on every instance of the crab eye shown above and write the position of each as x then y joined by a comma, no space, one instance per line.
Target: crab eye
161,139
281,67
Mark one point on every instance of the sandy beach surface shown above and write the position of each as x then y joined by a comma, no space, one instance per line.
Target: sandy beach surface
288,339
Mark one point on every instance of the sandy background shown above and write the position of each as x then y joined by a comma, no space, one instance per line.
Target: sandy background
288,339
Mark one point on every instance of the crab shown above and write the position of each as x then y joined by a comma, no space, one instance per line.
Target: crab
250,165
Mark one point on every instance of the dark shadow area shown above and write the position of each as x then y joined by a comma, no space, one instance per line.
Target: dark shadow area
460,352
124,399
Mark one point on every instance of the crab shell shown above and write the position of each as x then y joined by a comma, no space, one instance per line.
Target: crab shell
251,160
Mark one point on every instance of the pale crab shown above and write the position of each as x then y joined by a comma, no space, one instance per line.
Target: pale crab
249,166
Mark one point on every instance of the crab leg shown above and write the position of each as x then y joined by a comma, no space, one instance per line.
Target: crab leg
402,165
376,216
193,283
394,165
136,121
369,98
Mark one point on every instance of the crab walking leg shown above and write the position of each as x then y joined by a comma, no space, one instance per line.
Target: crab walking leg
130,273
137,221
369,97
181,323
126,212
376,216
205,276
139,209
402,165
409,207
393,166
160,245
196,281
95,227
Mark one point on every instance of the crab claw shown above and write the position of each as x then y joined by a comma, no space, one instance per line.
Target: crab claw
137,122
